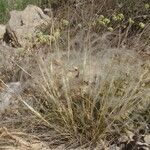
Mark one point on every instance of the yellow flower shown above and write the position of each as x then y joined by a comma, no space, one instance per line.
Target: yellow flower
57,34
39,34
101,22
120,16
114,18
110,29
65,22
147,6
51,38
106,20
142,25
101,17
131,21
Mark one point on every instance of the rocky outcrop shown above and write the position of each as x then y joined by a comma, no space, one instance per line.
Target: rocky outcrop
23,25
2,31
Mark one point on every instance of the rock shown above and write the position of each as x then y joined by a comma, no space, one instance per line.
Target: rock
23,25
2,31
6,97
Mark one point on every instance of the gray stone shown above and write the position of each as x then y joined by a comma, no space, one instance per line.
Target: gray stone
6,97
23,25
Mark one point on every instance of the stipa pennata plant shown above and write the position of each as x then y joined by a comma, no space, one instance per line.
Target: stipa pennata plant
86,98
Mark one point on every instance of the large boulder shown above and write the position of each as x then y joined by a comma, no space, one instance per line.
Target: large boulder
2,31
24,24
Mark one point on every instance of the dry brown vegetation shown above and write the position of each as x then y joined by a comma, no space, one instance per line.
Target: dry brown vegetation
82,85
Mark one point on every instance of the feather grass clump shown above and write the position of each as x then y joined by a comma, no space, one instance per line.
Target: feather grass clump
88,97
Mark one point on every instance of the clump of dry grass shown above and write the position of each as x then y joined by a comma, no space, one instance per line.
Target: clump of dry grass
86,97
85,91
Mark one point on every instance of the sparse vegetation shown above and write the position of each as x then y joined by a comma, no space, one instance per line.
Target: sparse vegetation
86,76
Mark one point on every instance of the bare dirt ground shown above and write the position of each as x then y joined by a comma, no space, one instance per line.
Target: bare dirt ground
19,141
